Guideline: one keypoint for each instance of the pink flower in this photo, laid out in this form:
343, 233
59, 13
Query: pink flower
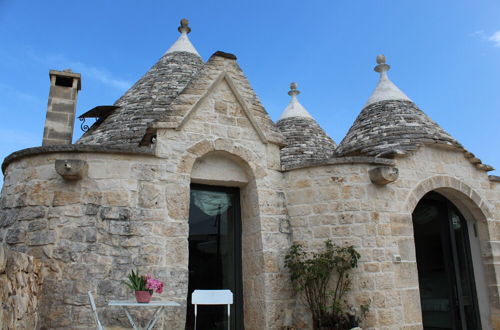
154, 284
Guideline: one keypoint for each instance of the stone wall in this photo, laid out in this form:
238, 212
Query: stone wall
216, 122
91, 232
340, 202
131, 211
20, 289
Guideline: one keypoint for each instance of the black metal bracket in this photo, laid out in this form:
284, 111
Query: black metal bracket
83, 126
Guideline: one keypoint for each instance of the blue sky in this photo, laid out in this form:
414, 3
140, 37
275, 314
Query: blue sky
445, 55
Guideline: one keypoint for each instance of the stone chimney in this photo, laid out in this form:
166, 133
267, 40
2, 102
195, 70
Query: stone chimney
59, 123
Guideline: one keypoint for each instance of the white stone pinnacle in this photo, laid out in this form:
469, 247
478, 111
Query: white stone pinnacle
385, 90
183, 44
294, 108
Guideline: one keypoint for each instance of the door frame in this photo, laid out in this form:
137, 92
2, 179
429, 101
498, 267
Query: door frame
238, 273
451, 265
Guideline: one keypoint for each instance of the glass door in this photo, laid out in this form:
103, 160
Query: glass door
215, 253
446, 277
466, 290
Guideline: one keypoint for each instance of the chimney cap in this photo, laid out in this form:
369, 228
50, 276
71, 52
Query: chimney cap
67, 73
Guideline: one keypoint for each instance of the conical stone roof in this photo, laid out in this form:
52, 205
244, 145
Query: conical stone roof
306, 142
148, 98
391, 124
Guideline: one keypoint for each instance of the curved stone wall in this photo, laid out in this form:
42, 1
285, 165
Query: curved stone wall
91, 232
340, 202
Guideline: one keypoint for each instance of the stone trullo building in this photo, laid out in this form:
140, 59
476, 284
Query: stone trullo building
187, 177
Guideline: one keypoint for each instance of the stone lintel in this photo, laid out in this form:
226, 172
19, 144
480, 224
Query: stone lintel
65, 74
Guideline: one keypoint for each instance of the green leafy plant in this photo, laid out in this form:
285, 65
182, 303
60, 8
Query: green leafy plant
135, 281
322, 279
138, 282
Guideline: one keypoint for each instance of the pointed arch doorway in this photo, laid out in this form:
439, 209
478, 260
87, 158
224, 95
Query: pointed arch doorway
445, 268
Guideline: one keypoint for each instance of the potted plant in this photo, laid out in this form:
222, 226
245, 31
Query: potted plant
322, 279
143, 286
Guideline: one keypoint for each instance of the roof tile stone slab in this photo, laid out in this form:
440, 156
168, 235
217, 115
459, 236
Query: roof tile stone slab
306, 142
391, 125
145, 101
215, 66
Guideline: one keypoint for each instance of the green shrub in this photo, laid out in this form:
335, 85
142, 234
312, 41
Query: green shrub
322, 279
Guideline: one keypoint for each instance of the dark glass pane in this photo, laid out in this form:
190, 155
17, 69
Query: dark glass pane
445, 270
434, 276
213, 252
459, 226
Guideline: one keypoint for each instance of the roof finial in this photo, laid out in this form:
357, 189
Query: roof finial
385, 90
184, 28
294, 108
293, 89
381, 67
183, 44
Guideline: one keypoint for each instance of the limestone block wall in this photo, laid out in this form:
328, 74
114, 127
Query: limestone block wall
131, 211
263, 214
334, 202
218, 123
91, 232
20, 289
339, 202
451, 174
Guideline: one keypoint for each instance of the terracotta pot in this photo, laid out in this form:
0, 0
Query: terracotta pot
143, 296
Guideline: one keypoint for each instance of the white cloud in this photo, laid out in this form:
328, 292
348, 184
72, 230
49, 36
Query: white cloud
495, 38
481, 35
89, 71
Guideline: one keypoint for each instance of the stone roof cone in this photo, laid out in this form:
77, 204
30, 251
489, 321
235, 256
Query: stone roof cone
149, 97
390, 124
306, 142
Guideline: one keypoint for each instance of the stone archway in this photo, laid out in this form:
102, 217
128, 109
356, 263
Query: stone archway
200, 162
461, 194
476, 212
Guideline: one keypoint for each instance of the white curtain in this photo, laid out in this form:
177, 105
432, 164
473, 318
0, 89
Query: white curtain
211, 202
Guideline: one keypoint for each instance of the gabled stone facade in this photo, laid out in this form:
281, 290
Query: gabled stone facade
188, 122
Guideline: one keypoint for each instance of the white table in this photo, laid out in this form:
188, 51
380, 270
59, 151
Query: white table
160, 306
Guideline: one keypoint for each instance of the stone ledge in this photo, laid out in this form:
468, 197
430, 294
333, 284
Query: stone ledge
73, 148
494, 178
224, 54
344, 160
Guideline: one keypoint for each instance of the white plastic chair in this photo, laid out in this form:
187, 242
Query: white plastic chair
212, 297
94, 312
